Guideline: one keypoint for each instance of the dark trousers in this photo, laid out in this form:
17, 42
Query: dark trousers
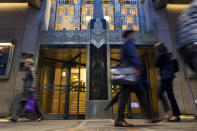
166, 86
115, 100
189, 54
21, 106
123, 99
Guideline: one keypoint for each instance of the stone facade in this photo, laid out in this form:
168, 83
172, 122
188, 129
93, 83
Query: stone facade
31, 27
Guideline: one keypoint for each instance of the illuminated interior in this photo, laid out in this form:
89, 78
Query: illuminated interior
65, 17
54, 78
86, 13
67, 13
129, 15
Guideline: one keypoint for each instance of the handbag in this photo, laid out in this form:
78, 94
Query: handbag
30, 104
123, 76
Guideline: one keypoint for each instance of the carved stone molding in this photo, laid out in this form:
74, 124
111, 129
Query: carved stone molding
98, 44
83, 33
86, 36
4, 38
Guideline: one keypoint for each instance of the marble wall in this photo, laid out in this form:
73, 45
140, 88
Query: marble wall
22, 24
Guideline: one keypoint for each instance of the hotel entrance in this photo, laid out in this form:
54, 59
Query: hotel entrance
62, 80
147, 56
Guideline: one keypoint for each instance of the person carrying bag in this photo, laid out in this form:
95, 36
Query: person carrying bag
28, 101
130, 58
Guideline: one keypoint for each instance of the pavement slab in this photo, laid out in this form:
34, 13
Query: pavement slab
95, 125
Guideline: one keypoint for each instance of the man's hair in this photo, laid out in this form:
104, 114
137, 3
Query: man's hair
161, 48
127, 32
30, 61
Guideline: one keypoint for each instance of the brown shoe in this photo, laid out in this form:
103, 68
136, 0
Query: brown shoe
157, 119
123, 124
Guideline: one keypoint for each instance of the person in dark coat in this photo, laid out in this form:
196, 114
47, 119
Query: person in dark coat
186, 38
129, 57
29, 89
165, 64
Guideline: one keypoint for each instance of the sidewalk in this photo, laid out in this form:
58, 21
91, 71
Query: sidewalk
96, 125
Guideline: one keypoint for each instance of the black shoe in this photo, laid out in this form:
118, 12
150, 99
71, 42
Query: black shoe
12, 119
178, 119
39, 119
123, 124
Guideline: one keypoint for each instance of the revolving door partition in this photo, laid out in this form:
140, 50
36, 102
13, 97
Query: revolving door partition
63, 83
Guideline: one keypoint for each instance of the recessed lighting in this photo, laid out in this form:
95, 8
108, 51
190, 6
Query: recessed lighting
5, 44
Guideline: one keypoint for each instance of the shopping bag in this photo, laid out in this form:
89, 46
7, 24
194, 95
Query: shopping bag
30, 105
122, 75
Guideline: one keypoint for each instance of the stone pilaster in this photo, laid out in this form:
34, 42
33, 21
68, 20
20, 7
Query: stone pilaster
77, 14
117, 15
52, 17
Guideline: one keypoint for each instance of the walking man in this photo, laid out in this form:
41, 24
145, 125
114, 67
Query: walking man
129, 57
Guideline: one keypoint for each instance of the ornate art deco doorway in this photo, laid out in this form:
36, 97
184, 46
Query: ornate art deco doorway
62, 78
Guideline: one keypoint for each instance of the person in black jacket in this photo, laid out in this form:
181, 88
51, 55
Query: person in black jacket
29, 89
165, 65
186, 38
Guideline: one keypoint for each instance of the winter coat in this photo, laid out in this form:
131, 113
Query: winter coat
129, 55
187, 26
29, 82
165, 64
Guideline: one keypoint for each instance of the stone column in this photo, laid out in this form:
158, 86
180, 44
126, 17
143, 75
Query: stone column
52, 17
141, 17
118, 24
98, 87
77, 14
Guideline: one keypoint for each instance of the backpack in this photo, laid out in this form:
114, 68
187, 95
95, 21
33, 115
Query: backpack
175, 65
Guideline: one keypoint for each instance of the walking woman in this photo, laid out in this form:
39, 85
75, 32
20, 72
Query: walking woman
165, 64
29, 89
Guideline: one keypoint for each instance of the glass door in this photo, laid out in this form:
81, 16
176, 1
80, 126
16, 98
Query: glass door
63, 83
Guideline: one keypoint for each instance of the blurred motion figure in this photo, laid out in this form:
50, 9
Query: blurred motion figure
187, 36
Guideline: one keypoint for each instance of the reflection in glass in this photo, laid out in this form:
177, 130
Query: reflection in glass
65, 15
6, 54
86, 13
129, 13
108, 12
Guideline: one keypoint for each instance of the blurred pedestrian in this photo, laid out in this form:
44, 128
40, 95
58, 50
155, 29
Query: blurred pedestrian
129, 57
115, 100
29, 90
187, 36
165, 64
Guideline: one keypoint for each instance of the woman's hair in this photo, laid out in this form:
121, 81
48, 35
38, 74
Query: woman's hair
30, 61
161, 48
126, 33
